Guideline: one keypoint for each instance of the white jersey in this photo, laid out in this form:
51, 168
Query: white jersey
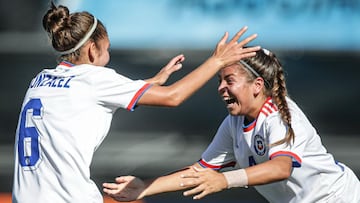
65, 116
316, 176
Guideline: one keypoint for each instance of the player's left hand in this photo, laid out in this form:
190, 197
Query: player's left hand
204, 182
163, 75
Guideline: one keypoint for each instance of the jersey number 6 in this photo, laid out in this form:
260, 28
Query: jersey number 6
28, 143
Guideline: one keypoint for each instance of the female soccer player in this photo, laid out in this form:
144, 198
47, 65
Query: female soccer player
277, 149
67, 110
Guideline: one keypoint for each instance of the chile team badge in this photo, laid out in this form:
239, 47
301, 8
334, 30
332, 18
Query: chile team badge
259, 145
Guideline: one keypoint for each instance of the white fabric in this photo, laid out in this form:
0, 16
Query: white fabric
77, 105
315, 174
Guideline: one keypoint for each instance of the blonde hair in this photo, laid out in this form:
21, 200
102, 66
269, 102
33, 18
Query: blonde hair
266, 64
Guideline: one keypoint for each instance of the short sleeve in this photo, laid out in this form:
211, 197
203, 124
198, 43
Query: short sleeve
220, 152
115, 90
276, 130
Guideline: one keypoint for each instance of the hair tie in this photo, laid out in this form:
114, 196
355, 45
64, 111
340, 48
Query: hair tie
83, 40
267, 52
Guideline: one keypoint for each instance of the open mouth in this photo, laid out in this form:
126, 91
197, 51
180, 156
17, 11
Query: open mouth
229, 100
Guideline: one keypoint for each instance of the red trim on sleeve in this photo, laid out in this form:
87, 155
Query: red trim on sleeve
216, 167
137, 96
286, 153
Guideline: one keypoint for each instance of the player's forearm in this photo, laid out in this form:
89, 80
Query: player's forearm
271, 171
188, 85
164, 184
160, 185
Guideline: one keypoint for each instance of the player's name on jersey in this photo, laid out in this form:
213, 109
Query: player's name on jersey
46, 80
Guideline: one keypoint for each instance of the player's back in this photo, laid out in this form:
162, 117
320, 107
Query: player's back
59, 128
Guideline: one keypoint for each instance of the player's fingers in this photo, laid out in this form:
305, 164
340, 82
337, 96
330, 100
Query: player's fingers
193, 191
223, 39
110, 192
197, 169
174, 64
189, 175
191, 182
201, 195
177, 59
124, 179
238, 34
248, 52
252, 49
111, 186
247, 40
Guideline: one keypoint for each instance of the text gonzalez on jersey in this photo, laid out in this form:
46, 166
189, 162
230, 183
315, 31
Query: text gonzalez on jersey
51, 81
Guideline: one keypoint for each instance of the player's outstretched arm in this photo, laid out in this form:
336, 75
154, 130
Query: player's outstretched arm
130, 188
163, 75
226, 53
207, 181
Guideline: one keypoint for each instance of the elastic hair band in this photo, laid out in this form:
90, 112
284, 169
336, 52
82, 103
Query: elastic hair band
254, 72
83, 40
250, 68
267, 52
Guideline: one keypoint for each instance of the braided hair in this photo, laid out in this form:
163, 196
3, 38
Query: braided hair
267, 65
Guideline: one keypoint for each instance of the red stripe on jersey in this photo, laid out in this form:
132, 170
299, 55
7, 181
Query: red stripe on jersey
216, 167
264, 112
286, 153
137, 96
249, 127
268, 107
67, 64
272, 105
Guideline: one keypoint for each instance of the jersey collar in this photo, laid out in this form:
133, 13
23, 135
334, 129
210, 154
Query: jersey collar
267, 108
66, 63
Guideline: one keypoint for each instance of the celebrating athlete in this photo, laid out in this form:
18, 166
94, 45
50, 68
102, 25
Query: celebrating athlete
277, 149
67, 111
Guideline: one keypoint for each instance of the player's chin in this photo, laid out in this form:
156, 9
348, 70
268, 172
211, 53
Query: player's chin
234, 110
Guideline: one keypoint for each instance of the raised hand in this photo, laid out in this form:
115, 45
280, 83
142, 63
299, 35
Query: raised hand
228, 53
125, 188
203, 181
163, 75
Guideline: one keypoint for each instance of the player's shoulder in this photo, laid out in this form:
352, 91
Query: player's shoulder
95, 69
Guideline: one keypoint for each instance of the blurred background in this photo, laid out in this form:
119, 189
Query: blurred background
318, 43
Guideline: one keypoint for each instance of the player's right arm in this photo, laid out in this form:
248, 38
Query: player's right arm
225, 54
130, 188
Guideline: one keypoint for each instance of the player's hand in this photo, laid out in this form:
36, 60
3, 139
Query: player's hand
203, 181
125, 189
163, 75
228, 53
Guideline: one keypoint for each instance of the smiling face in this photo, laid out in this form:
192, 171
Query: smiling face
241, 94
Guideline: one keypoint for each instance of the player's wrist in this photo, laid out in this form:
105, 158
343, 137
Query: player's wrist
215, 62
236, 178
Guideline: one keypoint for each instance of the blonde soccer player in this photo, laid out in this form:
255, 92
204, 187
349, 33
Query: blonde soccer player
268, 136
67, 110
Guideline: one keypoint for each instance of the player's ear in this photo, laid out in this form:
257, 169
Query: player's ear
258, 85
92, 52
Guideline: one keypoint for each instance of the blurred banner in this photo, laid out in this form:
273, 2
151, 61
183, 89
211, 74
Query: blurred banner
281, 24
